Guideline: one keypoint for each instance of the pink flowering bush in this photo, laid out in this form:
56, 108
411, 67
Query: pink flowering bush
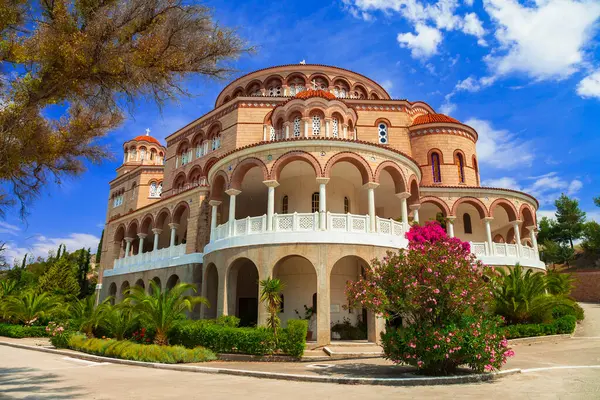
441, 291
59, 335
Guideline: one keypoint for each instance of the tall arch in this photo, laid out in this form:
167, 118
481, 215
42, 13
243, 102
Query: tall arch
297, 155
510, 209
243, 167
394, 170
360, 163
475, 202
242, 291
438, 202
218, 186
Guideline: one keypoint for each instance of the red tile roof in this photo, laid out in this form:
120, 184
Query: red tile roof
146, 138
431, 118
315, 93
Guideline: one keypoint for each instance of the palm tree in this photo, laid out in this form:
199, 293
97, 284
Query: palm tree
7, 287
520, 296
86, 316
160, 309
270, 294
118, 319
29, 306
558, 283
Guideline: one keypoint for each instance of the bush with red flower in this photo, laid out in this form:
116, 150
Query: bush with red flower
441, 291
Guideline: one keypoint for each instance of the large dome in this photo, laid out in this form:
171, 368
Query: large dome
147, 138
315, 93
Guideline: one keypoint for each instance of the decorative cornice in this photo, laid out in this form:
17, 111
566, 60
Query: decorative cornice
442, 130
481, 188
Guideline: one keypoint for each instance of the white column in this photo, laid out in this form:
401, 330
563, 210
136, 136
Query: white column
532, 229
213, 218
415, 210
142, 236
271, 185
128, 241
488, 233
345, 132
327, 128
157, 232
173, 227
371, 186
404, 207
516, 225
287, 131
306, 128
450, 226
232, 195
322, 202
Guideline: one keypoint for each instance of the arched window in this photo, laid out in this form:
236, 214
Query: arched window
467, 223
272, 134
142, 154
297, 127
335, 127
460, 164
153, 188
216, 142
132, 154
284, 205
383, 133
316, 125
435, 167
315, 202
205, 147
275, 91
346, 205
476, 170
159, 190
199, 150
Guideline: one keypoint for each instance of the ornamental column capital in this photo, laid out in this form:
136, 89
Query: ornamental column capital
271, 183
323, 181
371, 185
403, 195
233, 192
173, 225
157, 231
142, 235
215, 203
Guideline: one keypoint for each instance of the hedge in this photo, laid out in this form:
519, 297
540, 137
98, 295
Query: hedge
127, 350
563, 325
254, 341
21, 331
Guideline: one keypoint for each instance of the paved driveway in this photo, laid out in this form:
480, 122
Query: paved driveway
566, 369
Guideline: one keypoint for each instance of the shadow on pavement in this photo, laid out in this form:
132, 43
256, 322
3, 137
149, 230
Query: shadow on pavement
363, 370
29, 383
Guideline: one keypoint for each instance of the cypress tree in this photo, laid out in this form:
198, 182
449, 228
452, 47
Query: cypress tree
59, 279
99, 250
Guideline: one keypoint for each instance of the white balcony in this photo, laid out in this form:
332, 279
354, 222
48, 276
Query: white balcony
348, 229
306, 228
507, 254
167, 257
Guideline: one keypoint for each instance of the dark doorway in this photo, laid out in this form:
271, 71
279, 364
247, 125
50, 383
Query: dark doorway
248, 311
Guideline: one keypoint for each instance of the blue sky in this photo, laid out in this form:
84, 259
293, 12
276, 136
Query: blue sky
525, 75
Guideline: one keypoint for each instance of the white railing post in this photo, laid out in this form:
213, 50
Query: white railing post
271, 185
348, 222
295, 221
316, 221
322, 201
371, 186
488, 233
232, 195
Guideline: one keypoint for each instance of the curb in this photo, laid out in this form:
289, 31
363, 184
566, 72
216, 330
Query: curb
413, 381
539, 339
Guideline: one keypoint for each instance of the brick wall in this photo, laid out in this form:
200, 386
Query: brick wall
587, 286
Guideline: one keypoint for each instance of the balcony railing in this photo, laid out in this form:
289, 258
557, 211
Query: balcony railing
308, 222
167, 257
482, 249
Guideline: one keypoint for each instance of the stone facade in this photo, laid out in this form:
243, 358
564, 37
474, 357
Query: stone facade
306, 173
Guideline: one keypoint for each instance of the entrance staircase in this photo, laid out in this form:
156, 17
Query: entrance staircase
342, 350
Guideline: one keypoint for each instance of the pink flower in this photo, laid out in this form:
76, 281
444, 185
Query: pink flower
436, 291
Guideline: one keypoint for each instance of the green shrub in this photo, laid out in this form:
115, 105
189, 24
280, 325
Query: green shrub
223, 339
126, 350
563, 325
59, 335
228, 320
575, 310
20, 331
292, 339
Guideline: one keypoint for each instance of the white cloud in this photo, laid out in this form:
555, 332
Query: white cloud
545, 40
500, 148
546, 188
590, 85
429, 20
469, 2
422, 45
545, 213
505, 182
43, 245
9, 229
447, 108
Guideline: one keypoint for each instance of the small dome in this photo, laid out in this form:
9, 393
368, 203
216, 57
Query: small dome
315, 93
147, 138
432, 118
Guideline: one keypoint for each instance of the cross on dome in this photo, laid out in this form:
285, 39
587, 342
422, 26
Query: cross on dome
314, 83
147, 131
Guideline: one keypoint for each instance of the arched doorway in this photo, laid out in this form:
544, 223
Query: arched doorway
112, 292
346, 185
299, 293
156, 280
140, 283
242, 289
172, 281
180, 217
211, 279
123, 291
346, 323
